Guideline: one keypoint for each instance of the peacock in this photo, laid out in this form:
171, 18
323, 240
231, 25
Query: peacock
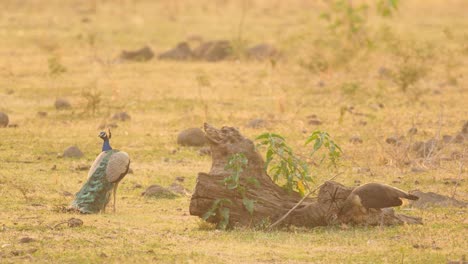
109, 168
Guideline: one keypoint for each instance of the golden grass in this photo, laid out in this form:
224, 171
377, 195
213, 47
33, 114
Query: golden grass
164, 97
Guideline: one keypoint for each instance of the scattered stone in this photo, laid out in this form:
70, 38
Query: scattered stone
42, 114
256, 123
213, 50
416, 182
412, 131
205, 151
361, 170
157, 191
465, 128
459, 138
321, 84
396, 181
192, 137
62, 104
121, 116
418, 170
392, 140
262, 51
362, 123
81, 167
137, 186
130, 171
54, 167
180, 178
4, 120
140, 55
449, 181
72, 152
181, 52
384, 72
13, 125
103, 255
315, 122
67, 194
355, 140
424, 149
430, 199
177, 188
312, 116
357, 182
447, 139
25, 240
74, 222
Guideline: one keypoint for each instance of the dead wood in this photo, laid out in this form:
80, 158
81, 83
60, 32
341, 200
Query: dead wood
271, 201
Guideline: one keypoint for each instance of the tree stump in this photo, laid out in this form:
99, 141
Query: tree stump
271, 201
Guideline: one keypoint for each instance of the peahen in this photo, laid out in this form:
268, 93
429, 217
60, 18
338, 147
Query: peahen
109, 168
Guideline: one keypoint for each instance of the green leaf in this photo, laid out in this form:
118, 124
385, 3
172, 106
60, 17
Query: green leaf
248, 204
224, 213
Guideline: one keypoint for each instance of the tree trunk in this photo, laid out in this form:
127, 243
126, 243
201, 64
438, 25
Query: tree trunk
271, 201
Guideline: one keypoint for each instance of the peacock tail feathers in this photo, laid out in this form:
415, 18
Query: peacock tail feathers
95, 193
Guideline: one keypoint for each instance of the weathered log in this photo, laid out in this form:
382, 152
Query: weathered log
271, 201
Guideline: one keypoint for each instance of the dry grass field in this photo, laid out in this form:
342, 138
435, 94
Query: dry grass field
354, 89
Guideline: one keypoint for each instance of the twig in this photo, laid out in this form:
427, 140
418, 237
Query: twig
300, 202
460, 171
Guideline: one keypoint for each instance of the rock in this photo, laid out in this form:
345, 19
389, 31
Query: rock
72, 152
179, 189
459, 138
67, 194
180, 178
42, 114
256, 123
447, 139
355, 140
13, 125
465, 128
315, 122
452, 181
431, 199
130, 171
181, 52
205, 151
262, 51
121, 116
361, 170
137, 186
424, 149
24, 240
412, 131
384, 72
213, 50
62, 104
74, 222
81, 167
192, 137
418, 170
157, 191
392, 140
4, 120
141, 55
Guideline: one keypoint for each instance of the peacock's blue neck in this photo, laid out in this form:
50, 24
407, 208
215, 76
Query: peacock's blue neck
106, 145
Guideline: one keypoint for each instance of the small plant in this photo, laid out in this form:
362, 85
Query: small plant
93, 99
55, 67
286, 166
236, 165
218, 208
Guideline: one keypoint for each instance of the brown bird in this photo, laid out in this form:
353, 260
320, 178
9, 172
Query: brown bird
373, 196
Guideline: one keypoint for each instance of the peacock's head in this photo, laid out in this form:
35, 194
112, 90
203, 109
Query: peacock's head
105, 136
